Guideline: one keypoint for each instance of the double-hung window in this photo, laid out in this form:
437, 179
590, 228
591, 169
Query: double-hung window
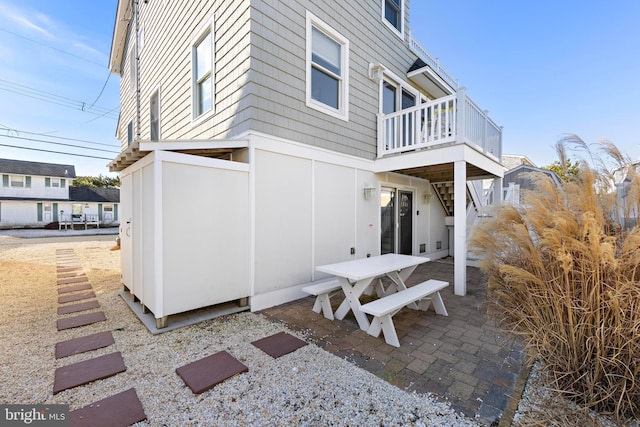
203, 84
392, 15
327, 69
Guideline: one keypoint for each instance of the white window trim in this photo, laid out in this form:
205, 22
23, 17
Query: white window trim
401, 84
399, 33
156, 91
201, 33
343, 101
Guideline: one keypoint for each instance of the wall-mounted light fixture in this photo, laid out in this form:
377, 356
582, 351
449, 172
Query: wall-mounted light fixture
368, 191
86, 205
426, 195
375, 72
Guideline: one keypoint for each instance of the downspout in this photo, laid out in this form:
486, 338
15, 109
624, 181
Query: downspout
137, 68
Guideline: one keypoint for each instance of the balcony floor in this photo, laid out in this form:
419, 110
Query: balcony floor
463, 358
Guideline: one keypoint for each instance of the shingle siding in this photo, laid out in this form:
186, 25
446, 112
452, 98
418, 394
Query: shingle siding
260, 74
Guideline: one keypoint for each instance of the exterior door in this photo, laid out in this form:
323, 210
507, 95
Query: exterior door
405, 222
396, 221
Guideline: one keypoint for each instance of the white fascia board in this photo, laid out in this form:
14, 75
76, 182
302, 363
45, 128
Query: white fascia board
192, 144
188, 159
120, 30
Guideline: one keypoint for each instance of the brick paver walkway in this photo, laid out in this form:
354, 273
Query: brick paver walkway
462, 358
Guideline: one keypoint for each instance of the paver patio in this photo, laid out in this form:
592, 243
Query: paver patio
462, 358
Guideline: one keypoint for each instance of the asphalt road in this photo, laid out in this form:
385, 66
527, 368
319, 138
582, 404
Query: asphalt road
34, 236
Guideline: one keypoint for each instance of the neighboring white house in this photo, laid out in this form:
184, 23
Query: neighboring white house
261, 139
34, 195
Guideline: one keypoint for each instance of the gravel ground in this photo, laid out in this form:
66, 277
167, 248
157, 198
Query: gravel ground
307, 387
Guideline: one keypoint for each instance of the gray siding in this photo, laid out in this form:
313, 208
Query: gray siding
260, 74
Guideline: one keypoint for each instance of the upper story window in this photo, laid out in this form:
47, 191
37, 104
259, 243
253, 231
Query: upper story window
154, 116
327, 69
129, 133
16, 181
202, 63
55, 182
393, 15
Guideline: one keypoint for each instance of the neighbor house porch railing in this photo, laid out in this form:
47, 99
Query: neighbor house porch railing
453, 119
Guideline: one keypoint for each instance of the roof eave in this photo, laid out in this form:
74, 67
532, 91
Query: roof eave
120, 29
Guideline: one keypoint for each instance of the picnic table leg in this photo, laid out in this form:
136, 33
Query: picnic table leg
398, 278
352, 301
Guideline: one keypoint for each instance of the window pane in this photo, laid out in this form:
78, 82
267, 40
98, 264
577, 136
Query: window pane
154, 115
325, 88
203, 57
204, 95
325, 51
388, 98
392, 12
408, 100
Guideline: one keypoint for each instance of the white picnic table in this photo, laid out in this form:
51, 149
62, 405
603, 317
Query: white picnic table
357, 275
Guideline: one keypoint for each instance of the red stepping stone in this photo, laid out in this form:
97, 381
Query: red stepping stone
70, 274
83, 344
206, 373
75, 297
81, 320
279, 344
67, 289
80, 373
122, 409
74, 308
71, 280
64, 268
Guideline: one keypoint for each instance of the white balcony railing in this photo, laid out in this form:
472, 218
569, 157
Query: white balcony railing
432, 62
453, 119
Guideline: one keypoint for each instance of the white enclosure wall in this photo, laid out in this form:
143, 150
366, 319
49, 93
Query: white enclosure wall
185, 242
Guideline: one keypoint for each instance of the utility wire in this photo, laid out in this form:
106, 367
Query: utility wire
59, 143
51, 47
19, 131
56, 152
101, 90
51, 97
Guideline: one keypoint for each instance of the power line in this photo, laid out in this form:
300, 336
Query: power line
56, 152
63, 101
58, 143
51, 47
19, 131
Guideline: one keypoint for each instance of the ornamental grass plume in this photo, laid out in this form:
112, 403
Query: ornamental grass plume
563, 273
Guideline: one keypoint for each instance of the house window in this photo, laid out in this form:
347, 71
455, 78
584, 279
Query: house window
54, 182
154, 116
17, 181
130, 133
202, 57
393, 15
327, 69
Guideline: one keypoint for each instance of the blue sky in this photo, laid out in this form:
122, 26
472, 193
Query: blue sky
543, 69
53, 58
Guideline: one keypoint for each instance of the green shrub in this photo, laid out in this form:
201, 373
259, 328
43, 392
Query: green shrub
563, 274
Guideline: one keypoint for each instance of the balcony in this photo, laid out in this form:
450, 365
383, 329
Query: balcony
453, 119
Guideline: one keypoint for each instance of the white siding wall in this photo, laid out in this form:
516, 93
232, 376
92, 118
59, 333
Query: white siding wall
38, 190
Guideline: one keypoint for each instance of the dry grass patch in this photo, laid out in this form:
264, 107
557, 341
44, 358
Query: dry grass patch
564, 276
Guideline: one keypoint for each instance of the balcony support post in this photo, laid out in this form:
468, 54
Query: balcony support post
460, 227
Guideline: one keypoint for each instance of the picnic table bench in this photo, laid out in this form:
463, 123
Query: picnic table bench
385, 308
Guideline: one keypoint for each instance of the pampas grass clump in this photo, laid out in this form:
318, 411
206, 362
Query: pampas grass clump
564, 275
